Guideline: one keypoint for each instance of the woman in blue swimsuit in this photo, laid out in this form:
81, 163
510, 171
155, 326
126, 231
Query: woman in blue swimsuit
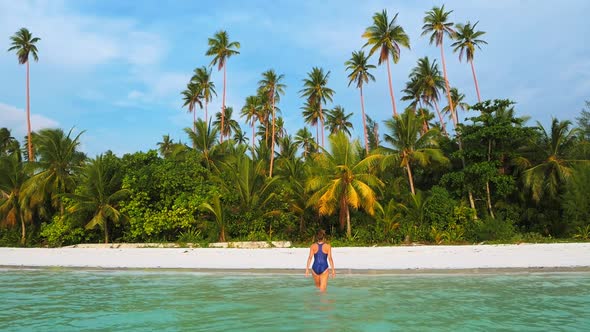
322, 254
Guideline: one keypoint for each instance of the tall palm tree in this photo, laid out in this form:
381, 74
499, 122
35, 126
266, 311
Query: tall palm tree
271, 85
192, 97
23, 43
202, 78
338, 121
387, 37
165, 147
315, 88
240, 137
230, 126
553, 167
467, 40
13, 176
343, 180
409, 145
436, 23
59, 161
222, 49
312, 115
458, 101
251, 110
359, 74
427, 77
98, 195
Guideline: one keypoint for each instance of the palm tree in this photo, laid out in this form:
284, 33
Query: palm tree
251, 111
271, 85
165, 147
240, 137
192, 97
554, 167
387, 37
59, 161
8, 144
98, 195
409, 145
202, 78
436, 24
343, 180
23, 43
304, 139
467, 40
13, 176
214, 206
317, 92
359, 74
337, 121
222, 49
203, 139
230, 126
312, 115
426, 76
458, 102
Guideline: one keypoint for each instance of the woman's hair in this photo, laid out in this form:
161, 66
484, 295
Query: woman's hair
321, 235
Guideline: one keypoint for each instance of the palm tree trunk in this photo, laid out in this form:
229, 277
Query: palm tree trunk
451, 108
488, 194
253, 135
475, 80
441, 119
364, 121
348, 228
272, 139
222, 234
29, 138
410, 178
23, 230
206, 115
194, 127
322, 122
317, 133
106, 232
424, 121
223, 106
391, 88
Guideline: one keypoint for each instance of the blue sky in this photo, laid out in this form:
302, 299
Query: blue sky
116, 68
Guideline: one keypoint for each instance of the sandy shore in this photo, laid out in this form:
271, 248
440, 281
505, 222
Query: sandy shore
524, 256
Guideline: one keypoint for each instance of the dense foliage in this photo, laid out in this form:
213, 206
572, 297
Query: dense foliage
492, 177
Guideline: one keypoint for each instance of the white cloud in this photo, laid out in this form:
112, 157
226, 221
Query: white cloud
15, 119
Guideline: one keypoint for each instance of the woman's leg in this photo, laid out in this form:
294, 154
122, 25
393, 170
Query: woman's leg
316, 279
324, 280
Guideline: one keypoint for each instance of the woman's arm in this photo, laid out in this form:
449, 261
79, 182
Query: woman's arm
331, 262
308, 261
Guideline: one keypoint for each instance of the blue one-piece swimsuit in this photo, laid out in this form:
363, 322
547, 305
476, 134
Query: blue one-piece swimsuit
320, 261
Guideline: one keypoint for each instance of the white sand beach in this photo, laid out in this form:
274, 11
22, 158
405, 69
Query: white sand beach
523, 256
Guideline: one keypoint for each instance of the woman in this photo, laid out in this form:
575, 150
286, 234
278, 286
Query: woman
322, 254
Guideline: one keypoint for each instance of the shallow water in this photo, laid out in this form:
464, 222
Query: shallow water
74, 300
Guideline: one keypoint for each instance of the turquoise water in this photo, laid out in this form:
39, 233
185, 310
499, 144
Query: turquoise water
75, 300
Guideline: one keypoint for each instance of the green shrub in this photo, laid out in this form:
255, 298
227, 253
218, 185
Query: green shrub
59, 233
490, 229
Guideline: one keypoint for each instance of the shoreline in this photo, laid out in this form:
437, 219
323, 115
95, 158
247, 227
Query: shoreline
555, 257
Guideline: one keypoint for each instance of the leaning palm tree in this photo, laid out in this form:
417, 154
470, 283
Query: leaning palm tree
458, 102
343, 180
467, 41
202, 78
359, 74
23, 43
315, 88
222, 49
338, 121
386, 37
437, 25
409, 145
271, 85
98, 195
192, 97
251, 110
